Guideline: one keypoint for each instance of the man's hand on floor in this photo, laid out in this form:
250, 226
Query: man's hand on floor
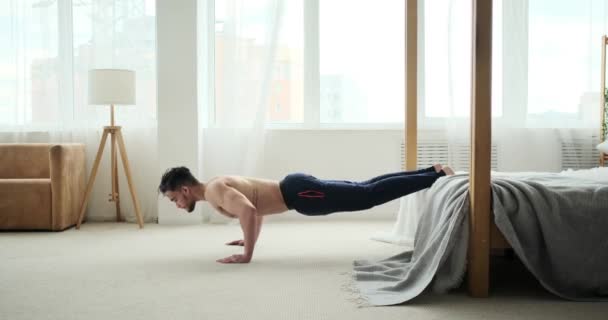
236, 243
235, 258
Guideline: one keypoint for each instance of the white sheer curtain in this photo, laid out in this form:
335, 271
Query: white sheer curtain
47, 49
246, 40
546, 88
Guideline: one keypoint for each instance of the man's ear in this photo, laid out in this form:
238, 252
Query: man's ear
185, 190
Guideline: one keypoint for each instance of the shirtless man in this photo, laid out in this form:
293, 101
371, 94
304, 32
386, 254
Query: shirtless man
250, 199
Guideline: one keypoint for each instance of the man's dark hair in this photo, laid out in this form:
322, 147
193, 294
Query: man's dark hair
175, 178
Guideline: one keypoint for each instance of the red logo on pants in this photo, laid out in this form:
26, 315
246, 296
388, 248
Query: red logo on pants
311, 194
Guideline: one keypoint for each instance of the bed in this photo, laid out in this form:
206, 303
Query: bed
483, 233
555, 223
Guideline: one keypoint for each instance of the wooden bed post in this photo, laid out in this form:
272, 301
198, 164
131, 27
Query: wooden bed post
481, 130
411, 85
602, 96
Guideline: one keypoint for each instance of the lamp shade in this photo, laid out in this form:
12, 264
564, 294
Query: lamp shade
111, 86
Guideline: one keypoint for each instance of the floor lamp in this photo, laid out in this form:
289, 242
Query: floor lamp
112, 87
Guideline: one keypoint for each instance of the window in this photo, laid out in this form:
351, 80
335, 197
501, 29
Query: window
29, 63
362, 47
49, 46
243, 32
564, 60
447, 59
116, 34
328, 68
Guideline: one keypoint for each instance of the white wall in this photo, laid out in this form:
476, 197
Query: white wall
177, 96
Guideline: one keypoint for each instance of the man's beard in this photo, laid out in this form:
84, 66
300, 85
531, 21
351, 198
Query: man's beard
191, 207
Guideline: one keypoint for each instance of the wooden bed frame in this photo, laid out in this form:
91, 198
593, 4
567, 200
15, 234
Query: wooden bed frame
484, 235
603, 156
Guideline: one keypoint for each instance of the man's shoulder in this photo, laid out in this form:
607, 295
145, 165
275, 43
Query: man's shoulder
216, 183
215, 189
221, 184
220, 181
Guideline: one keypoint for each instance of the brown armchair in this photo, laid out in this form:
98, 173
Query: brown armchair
41, 185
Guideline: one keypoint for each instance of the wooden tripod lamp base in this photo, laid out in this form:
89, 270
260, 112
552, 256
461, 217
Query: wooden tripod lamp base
116, 141
109, 87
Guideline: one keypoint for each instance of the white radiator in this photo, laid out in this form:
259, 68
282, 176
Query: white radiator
579, 152
455, 154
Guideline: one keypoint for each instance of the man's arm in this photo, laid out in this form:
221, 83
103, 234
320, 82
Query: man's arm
237, 204
258, 228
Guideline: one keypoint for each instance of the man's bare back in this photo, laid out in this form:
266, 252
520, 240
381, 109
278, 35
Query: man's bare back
264, 195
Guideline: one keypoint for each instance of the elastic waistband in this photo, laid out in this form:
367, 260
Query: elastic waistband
285, 193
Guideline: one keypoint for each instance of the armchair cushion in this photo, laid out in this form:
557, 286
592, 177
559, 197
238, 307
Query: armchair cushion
25, 204
24, 161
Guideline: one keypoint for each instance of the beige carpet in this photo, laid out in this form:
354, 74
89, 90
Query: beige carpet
115, 271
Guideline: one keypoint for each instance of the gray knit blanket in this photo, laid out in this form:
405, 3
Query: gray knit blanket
557, 226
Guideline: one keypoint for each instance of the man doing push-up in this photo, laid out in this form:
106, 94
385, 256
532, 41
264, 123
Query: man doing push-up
250, 199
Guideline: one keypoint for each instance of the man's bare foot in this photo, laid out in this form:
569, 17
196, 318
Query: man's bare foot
448, 171
437, 167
